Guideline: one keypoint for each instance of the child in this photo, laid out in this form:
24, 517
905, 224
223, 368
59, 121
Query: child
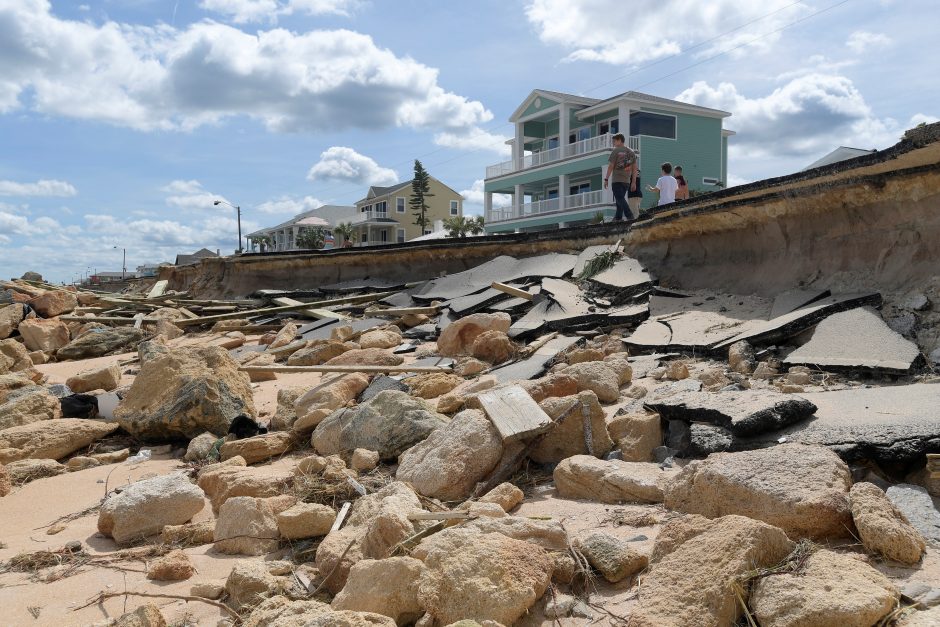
666, 186
683, 192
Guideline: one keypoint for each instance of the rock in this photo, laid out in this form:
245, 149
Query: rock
930, 618
26, 470
598, 377
916, 301
677, 370
636, 435
741, 357
200, 447
44, 335
189, 534
174, 566
10, 318
364, 460
144, 507
184, 392
113, 457
913, 501
458, 337
207, 590
14, 358
830, 590
221, 482
620, 363
469, 366
676, 531
557, 384
382, 383
106, 378
614, 481
480, 577
765, 371
286, 335
568, 436
379, 338
81, 463
100, 342
746, 413
258, 448
801, 489
433, 384
305, 520
693, 585
581, 355
249, 583
457, 398
51, 439
799, 378
493, 347
167, 329
54, 303
248, 526
6, 483
882, 527
32, 276
920, 595
904, 324
611, 557
548, 534
22, 402
367, 357
317, 354
144, 616
390, 423
453, 458
259, 359
285, 416
388, 587
506, 495
279, 611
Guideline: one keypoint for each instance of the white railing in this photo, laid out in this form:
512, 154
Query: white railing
368, 216
535, 159
595, 198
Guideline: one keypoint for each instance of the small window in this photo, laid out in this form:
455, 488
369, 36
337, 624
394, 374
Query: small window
580, 134
653, 125
401, 236
552, 142
454, 206
400, 205
427, 231
381, 207
551, 193
608, 126
366, 208
365, 237
580, 188
709, 180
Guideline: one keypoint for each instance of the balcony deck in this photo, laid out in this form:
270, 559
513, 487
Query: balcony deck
574, 202
584, 147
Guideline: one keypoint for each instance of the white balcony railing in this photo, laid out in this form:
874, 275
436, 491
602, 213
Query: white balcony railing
368, 216
596, 198
535, 159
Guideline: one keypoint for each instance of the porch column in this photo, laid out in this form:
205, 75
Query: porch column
294, 232
518, 199
623, 116
607, 195
487, 206
562, 190
518, 145
563, 131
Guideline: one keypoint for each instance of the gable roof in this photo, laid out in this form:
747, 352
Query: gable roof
554, 95
202, 253
376, 191
668, 103
842, 153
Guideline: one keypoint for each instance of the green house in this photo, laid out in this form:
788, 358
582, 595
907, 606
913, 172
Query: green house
560, 150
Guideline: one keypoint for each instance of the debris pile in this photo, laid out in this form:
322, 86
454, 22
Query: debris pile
530, 440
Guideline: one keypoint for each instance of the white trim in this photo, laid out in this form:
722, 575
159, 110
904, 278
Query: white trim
404, 204
608, 122
640, 103
668, 115
569, 98
454, 207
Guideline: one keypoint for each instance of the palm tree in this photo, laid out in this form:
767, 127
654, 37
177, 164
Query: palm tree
310, 238
344, 230
461, 226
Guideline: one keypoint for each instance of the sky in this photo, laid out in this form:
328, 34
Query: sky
121, 121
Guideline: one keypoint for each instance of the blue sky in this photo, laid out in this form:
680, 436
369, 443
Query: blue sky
121, 120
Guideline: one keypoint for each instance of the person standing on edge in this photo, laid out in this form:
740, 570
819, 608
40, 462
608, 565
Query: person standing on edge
666, 186
683, 191
621, 174
635, 194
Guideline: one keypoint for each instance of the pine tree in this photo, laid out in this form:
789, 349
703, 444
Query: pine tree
420, 192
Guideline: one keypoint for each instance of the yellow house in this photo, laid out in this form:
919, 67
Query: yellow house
384, 216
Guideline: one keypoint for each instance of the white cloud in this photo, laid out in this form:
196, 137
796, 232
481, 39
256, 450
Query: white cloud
42, 187
922, 118
190, 195
161, 77
242, 11
862, 41
807, 116
288, 205
20, 225
474, 139
339, 163
651, 29
473, 199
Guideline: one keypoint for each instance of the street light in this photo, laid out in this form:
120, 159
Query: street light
123, 262
238, 210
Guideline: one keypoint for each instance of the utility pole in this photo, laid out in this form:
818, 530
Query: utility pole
238, 212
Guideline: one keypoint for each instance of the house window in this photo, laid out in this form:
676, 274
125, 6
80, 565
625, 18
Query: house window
384, 235
453, 207
400, 205
381, 207
365, 237
579, 134
401, 236
553, 142
551, 193
608, 126
653, 124
579, 188
366, 208
710, 180
427, 231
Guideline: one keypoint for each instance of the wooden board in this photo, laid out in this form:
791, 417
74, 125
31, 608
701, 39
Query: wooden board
325, 368
312, 312
282, 308
514, 291
514, 414
158, 288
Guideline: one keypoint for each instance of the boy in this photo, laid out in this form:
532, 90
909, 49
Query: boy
622, 174
682, 193
666, 186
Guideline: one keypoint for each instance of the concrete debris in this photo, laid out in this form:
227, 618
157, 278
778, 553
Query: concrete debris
611, 557
918, 508
613, 481
143, 508
882, 527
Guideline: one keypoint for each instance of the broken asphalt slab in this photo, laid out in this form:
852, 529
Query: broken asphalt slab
623, 280
854, 339
535, 365
503, 269
791, 300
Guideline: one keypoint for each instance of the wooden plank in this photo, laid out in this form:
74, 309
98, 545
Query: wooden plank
340, 517
158, 288
404, 311
325, 368
515, 291
514, 414
313, 312
440, 516
287, 349
280, 309
107, 319
187, 313
138, 320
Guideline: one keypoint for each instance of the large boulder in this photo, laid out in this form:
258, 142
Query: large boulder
313, 406
457, 338
54, 303
23, 402
483, 577
258, 448
184, 392
44, 335
286, 335
917, 506
611, 481
305, 520
15, 358
569, 435
248, 526
493, 347
829, 590
597, 376
801, 489
693, 586
223, 481
51, 439
433, 384
612, 557
380, 338
453, 458
10, 318
636, 435
100, 342
882, 527
102, 378
26, 470
390, 423
249, 583
143, 508
388, 587
367, 357
317, 353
